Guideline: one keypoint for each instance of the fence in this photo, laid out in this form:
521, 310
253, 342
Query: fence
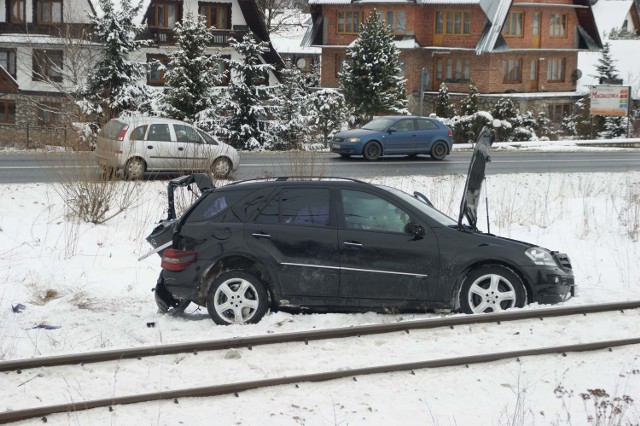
38, 137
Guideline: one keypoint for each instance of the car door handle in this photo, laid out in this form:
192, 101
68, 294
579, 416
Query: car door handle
149, 146
261, 235
353, 244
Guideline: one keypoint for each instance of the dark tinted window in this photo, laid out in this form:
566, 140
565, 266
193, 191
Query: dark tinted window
425, 124
215, 204
159, 132
112, 129
138, 133
298, 207
366, 211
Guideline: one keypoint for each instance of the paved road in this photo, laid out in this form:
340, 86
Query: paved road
41, 167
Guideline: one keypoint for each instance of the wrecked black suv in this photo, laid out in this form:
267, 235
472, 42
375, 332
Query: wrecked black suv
336, 244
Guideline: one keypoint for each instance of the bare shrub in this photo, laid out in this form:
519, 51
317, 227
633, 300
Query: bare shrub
629, 213
304, 163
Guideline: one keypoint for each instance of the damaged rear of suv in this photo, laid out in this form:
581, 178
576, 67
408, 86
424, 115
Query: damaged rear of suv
337, 244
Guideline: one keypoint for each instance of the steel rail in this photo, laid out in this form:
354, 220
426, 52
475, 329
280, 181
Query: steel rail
306, 336
229, 388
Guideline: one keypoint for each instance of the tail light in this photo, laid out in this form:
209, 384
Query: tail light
123, 132
177, 260
450, 132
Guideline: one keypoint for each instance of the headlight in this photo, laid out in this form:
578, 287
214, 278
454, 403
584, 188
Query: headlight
540, 256
352, 140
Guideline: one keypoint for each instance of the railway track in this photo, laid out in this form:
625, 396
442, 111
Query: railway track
17, 366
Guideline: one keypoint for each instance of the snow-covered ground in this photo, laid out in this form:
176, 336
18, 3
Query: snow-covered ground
85, 282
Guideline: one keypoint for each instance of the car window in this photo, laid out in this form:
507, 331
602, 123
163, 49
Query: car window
403, 125
208, 139
138, 133
309, 207
424, 124
215, 204
159, 132
366, 211
432, 212
378, 124
186, 133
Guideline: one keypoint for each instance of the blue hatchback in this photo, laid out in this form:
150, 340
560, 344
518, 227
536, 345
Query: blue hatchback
395, 135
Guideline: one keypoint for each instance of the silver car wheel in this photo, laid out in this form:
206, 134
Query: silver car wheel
221, 167
491, 293
134, 169
236, 301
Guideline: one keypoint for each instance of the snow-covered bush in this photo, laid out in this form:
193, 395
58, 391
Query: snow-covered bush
327, 112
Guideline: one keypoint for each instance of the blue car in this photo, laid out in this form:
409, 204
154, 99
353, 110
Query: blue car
395, 135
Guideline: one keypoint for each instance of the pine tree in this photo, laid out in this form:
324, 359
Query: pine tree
192, 73
444, 107
608, 126
292, 119
579, 123
469, 105
117, 84
327, 112
544, 127
505, 111
249, 102
371, 81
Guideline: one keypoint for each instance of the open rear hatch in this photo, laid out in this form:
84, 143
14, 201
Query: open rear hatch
475, 178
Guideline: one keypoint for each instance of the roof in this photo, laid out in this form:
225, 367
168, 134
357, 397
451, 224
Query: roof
292, 36
611, 14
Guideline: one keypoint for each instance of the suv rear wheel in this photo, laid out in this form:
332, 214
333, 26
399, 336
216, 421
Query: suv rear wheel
237, 297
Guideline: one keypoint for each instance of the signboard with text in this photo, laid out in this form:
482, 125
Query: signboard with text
610, 100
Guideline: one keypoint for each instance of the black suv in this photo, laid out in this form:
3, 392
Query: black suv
343, 245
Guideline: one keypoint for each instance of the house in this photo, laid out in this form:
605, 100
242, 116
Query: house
524, 49
290, 41
46, 50
617, 15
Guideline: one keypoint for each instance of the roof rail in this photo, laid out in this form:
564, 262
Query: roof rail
296, 178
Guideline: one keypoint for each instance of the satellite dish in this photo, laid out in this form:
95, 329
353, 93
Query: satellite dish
301, 63
576, 74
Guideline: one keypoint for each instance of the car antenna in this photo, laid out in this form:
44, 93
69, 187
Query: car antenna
486, 203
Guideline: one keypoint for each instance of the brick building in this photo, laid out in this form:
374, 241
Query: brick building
524, 49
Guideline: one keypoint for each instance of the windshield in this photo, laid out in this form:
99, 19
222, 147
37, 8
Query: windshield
433, 213
378, 124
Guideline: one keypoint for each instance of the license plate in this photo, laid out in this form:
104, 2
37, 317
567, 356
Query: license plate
336, 146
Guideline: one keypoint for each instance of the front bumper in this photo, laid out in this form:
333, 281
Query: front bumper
346, 149
548, 284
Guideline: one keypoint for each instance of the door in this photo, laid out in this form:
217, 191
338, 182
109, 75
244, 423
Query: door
378, 259
535, 31
439, 71
428, 133
296, 234
196, 153
402, 137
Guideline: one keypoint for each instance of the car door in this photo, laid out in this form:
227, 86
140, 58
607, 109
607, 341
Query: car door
196, 153
427, 133
401, 138
162, 151
378, 259
296, 234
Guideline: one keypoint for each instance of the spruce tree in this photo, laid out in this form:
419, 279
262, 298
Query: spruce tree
579, 124
469, 105
327, 112
606, 68
192, 73
116, 83
505, 111
371, 80
292, 119
608, 127
250, 98
444, 107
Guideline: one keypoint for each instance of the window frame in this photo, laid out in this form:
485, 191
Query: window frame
353, 17
448, 22
510, 67
558, 25
395, 19
43, 65
48, 114
6, 105
48, 5
12, 63
157, 60
453, 70
512, 22
21, 8
225, 8
556, 70
556, 112
153, 20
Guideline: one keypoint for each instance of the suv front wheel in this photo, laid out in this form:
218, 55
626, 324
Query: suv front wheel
237, 297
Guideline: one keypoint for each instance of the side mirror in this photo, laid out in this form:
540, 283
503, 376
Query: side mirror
391, 130
414, 229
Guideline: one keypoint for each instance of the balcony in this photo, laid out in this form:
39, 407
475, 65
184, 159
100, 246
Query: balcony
166, 36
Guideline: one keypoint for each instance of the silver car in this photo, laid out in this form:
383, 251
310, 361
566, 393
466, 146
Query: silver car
137, 145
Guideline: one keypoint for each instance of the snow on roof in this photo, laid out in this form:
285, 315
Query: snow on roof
610, 14
289, 37
405, 43
624, 53
39, 39
118, 5
329, 1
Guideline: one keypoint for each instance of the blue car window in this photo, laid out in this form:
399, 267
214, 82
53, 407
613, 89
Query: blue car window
426, 124
404, 125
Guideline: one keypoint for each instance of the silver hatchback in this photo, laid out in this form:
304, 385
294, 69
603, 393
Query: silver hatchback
137, 145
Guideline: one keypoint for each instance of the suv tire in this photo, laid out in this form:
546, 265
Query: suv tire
237, 297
